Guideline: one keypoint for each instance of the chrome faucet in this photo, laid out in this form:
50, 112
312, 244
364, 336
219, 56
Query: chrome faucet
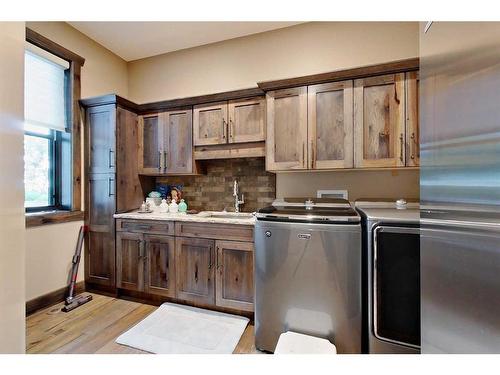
237, 201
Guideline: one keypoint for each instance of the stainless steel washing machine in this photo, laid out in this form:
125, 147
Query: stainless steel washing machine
391, 269
308, 272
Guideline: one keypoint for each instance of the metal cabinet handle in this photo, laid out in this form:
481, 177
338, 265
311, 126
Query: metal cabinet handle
230, 128
219, 265
313, 161
110, 187
224, 128
303, 154
111, 158
401, 148
412, 146
164, 161
159, 161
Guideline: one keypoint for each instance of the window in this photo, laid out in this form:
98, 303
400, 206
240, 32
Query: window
47, 139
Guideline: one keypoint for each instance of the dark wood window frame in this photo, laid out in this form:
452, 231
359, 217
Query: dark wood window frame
73, 80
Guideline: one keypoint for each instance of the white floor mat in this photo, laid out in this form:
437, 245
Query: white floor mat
178, 329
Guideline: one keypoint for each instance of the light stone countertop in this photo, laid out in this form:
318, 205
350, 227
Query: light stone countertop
242, 218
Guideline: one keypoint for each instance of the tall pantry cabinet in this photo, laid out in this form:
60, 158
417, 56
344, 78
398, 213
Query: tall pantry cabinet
110, 128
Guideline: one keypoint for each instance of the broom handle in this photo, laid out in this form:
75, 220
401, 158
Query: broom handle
76, 261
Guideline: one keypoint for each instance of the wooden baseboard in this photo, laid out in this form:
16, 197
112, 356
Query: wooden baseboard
51, 298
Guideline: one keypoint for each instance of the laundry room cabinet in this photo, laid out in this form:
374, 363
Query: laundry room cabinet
368, 122
145, 263
379, 121
227, 122
166, 143
113, 184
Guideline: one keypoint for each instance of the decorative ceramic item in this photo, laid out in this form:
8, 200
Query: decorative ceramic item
163, 206
183, 206
154, 194
176, 194
173, 207
154, 203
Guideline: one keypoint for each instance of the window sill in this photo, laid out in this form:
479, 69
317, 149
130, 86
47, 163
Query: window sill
36, 219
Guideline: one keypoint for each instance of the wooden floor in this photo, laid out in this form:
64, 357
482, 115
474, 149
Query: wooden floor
93, 328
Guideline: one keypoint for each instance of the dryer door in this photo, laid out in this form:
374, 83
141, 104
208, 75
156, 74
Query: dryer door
396, 285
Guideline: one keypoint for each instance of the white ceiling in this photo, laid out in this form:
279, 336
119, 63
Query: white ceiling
137, 40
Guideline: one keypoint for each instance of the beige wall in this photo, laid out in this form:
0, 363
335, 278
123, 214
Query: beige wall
294, 51
359, 184
49, 251
12, 250
103, 71
50, 248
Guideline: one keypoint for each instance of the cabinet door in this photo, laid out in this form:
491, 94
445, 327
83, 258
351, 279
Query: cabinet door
100, 247
286, 145
379, 124
129, 194
412, 120
100, 258
247, 120
130, 261
101, 138
150, 148
194, 266
330, 125
160, 261
210, 124
178, 140
234, 278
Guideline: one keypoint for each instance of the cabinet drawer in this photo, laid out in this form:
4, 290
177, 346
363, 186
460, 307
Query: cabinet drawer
216, 231
145, 226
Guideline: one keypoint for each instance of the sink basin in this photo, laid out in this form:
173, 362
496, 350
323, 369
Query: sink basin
227, 215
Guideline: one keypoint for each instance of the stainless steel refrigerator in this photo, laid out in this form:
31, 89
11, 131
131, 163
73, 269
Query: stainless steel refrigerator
460, 187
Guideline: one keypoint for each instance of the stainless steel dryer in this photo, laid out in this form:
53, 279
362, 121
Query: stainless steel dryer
391, 268
308, 272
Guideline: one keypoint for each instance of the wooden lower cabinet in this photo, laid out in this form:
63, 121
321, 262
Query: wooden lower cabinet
194, 263
160, 265
234, 278
204, 271
130, 261
100, 259
145, 263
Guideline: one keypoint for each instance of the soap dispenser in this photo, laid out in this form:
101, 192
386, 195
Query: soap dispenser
163, 206
183, 206
173, 207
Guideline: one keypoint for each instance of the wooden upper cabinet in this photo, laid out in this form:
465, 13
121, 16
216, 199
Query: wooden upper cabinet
178, 141
129, 194
286, 146
379, 122
101, 139
194, 265
234, 278
412, 120
159, 265
247, 120
210, 124
330, 125
130, 261
150, 150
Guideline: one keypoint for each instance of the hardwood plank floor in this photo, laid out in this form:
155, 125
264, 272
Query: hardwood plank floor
93, 328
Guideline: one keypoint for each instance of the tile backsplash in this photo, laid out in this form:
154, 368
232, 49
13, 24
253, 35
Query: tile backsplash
213, 191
